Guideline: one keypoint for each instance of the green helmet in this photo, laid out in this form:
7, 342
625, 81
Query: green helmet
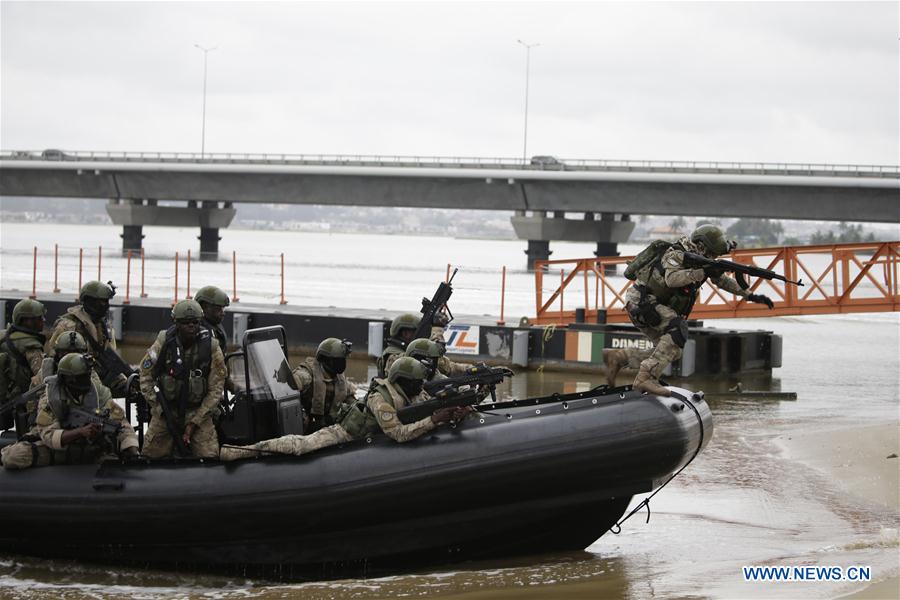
212, 295
70, 341
73, 365
97, 289
404, 321
334, 348
27, 309
187, 309
423, 348
711, 239
407, 368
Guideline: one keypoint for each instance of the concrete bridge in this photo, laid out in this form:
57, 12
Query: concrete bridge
540, 192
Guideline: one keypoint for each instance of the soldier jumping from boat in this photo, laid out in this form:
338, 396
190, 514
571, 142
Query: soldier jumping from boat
187, 366
77, 422
666, 284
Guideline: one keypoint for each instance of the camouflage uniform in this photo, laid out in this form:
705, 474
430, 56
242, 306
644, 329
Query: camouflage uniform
391, 353
98, 334
22, 366
670, 292
358, 421
322, 394
201, 400
43, 446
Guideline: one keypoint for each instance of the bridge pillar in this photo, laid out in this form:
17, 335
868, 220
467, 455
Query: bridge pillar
209, 243
132, 238
208, 216
537, 250
539, 230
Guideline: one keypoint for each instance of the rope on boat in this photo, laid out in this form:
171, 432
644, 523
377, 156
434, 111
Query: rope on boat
617, 528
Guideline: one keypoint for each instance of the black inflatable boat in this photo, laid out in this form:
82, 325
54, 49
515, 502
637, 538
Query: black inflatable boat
520, 477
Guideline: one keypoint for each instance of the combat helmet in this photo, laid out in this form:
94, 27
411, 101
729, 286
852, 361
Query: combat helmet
27, 309
332, 355
212, 295
73, 365
74, 372
187, 309
334, 348
404, 321
69, 341
97, 289
407, 367
424, 348
710, 239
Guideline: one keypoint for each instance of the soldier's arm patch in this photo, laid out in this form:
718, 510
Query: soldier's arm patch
386, 415
147, 363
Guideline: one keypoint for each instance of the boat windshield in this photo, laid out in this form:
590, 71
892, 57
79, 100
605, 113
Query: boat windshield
270, 373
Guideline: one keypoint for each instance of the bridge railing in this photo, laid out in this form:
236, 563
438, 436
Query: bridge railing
838, 278
546, 163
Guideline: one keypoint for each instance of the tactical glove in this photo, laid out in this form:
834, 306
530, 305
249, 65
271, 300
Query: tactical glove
761, 299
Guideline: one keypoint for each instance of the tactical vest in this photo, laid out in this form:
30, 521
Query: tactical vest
79, 451
17, 371
358, 420
97, 338
324, 398
390, 349
653, 278
183, 376
60, 406
217, 330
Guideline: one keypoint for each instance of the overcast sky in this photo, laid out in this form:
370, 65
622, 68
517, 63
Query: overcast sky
755, 81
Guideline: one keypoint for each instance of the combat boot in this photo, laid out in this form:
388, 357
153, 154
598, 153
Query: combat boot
614, 361
646, 382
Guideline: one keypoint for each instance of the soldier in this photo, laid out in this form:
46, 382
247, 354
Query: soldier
61, 434
431, 354
323, 385
403, 328
213, 301
378, 411
188, 367
89, 319
21, 355
661, 299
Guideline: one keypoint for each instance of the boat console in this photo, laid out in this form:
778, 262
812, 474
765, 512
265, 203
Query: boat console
265, 403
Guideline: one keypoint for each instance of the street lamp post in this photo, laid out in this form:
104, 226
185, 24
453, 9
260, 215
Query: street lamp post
206, 52
528, 48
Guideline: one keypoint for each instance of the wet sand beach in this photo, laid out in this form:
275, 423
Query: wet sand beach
865, 461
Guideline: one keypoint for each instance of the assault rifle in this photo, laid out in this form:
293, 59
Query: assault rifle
112, 366
463, 390
447, 398
697, 261
79, 417
21, 420
180, 448
431, 307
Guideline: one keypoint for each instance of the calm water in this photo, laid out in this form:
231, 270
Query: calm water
741, 502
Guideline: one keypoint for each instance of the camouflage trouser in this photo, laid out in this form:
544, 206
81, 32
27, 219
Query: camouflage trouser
158, 443
25, 455
289, 444
665, 350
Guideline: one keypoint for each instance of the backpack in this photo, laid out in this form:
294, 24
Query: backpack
648, 255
